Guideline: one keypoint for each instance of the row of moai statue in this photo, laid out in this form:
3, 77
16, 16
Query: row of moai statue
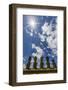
33, 64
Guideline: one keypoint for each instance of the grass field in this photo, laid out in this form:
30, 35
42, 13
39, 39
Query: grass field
40, 71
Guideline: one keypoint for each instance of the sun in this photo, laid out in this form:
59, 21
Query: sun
32, 23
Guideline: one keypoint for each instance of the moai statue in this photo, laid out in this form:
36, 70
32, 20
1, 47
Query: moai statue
41, 63
47, 62
35, 63
28, 64
54, 64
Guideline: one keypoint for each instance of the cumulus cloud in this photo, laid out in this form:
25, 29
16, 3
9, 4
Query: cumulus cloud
33, 45
42, 37
51, 64
45, 66
51, 37
24, 66
31, 34
31, 65
38, 66
46, 28
24, 59
29, 30
52, 40
39, 51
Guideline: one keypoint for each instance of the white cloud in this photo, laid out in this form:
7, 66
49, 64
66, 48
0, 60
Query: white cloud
46, 29
54, 51
51, 64
33, 45
32, 60
38, 66
39, 51
41, 43
31, 65
24, 59
51, 36
30, 32
45, 65
24, 66
35, 32
42, 37
52, 43
34, 54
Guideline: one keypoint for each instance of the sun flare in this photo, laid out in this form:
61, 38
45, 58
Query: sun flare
32, 23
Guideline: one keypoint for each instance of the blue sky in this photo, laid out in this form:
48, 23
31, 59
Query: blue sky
39, 37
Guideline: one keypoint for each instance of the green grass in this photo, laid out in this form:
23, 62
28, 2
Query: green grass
40, 71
